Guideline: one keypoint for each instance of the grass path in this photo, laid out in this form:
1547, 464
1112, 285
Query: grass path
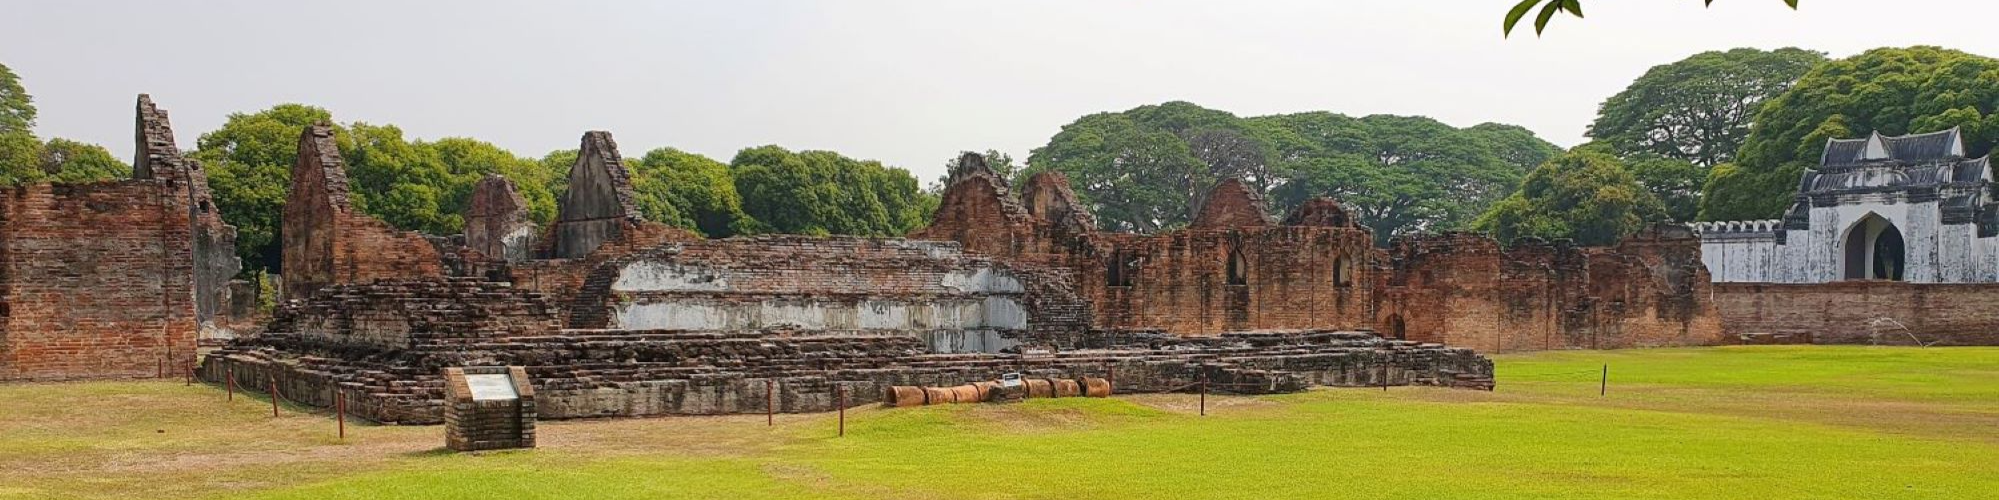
1752, 423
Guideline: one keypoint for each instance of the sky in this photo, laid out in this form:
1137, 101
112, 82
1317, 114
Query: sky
910, 83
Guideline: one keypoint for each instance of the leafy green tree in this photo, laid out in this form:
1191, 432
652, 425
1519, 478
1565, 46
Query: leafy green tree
1892, 90
249, 161
1699, 108
1585, 196
691, 191
467, 160
20, 158
1000, 163
1134, 177
1146, 169
822, 192
64, 160
17, 108
1674, 182
25, 158
1573, 7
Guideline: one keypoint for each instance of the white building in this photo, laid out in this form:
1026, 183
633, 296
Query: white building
1907, 208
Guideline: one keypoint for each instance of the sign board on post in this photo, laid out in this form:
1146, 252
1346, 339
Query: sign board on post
488, 408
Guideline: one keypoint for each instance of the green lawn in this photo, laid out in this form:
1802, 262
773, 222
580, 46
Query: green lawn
1758, 423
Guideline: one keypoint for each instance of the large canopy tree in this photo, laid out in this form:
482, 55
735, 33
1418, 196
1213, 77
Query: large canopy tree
1146, 169
1585, 196
1891, 90
1699, 108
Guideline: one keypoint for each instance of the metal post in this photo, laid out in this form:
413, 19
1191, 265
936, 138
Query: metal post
190, 376
842, 390
1204, 393
274, 397
160, 368
1603, 387
231, 381
770, 402
340, 412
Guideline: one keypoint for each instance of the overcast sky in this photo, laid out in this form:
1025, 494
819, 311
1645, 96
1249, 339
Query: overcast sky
906, 82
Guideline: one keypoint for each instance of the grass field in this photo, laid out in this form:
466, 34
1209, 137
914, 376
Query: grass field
1760, 423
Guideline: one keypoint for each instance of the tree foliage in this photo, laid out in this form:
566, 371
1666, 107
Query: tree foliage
24, 158
690, 191
17, 108
1586, 196
822, 192
1548, 11
1892, 90
1699, 108
415, 185
1145, 169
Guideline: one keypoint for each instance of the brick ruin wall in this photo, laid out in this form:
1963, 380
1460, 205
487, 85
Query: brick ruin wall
98, 281
1861, 312
1234, 269
113, 279
1468, 290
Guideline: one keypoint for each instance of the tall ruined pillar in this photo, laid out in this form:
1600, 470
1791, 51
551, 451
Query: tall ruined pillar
598, 207
212, 241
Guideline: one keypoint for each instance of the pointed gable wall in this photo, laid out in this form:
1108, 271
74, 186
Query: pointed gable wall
598, 206
1049, 198
1231, 204
978, 210
327, 241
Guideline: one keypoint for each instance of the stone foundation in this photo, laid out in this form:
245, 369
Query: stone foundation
620, 373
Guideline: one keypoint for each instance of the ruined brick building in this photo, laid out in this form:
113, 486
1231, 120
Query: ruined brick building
1234, 268
115, 278
614, 315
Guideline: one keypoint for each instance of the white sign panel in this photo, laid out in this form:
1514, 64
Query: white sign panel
491, 387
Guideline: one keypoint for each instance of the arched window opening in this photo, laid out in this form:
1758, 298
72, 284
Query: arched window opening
1238, 268
1121, 268
1875, 250
1342, 272
1396, 329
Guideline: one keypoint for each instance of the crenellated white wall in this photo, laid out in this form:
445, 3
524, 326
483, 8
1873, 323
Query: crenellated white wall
1936, 252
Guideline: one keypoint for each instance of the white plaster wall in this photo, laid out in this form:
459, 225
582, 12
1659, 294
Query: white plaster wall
655, 276
982, 280
703, 314
1936, 252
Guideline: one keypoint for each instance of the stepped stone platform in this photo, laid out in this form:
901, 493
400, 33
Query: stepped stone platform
385, 346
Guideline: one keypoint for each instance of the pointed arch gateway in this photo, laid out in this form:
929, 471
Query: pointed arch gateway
1874, 250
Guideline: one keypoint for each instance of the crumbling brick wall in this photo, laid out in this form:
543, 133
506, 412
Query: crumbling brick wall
1862, 312
327, 241
113, 279
98, 281
1233, 269
1467, 290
